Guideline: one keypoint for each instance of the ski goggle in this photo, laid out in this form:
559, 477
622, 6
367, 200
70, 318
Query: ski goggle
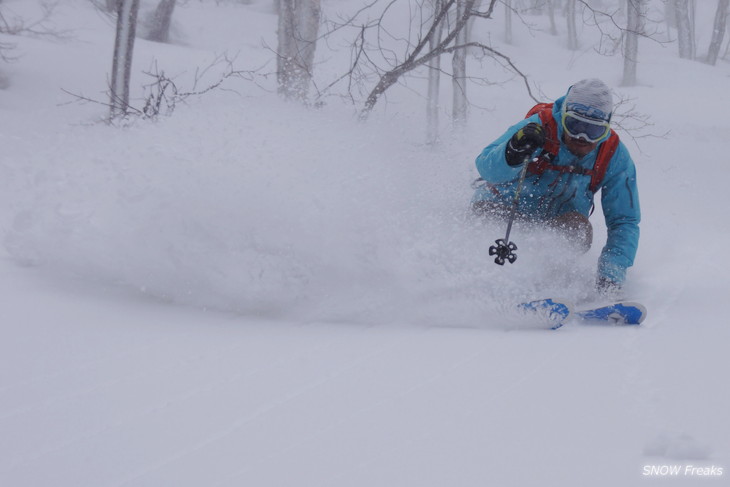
580, 127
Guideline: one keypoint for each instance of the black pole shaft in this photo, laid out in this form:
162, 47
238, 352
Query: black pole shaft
515, 200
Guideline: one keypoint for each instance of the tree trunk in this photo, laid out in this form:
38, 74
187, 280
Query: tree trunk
161, 20
458, 63
693, 26
434, 82
572, 29
685, 38
551, 15
122, 63
297, 37
718, 31
472, 20
635, 14
507, 21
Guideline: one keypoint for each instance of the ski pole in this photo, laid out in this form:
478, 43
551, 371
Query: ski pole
505, 250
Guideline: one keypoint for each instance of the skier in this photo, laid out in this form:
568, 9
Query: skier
571, 153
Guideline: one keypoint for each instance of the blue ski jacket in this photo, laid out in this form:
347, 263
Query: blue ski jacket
553, 193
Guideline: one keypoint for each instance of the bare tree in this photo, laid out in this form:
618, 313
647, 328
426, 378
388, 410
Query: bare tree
297, 38
570, 13
40, 26
685, 33
159, 24
122, 62
458, 66
551, 15
434, 82
507, 21
5, 57
162, 95
418, 54
718, 31
635, 16
381, 56
5, 47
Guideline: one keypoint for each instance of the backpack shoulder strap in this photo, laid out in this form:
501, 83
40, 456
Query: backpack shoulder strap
603, 159
545, 112
552, 145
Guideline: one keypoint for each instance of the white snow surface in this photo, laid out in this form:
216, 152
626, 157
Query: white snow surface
250, 292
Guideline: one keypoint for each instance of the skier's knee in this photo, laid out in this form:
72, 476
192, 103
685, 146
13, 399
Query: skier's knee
576, 228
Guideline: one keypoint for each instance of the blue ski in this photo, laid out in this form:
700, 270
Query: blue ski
624, 313
553, 311
556, 312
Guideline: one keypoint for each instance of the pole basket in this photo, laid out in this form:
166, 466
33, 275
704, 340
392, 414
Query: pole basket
504, 251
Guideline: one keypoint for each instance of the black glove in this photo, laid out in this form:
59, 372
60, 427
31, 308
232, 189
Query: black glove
523, 143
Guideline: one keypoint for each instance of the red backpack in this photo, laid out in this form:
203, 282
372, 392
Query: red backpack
605, 152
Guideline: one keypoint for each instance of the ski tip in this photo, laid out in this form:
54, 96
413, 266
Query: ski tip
640, 307
620, 313
553, 312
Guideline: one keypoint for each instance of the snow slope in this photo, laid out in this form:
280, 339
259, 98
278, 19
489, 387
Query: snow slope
252, 293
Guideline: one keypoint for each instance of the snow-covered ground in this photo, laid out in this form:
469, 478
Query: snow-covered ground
252, 293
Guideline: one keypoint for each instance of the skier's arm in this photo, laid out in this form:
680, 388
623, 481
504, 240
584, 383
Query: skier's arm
492, 164
620, 202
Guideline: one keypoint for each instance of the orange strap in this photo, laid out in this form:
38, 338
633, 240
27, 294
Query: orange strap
552, 146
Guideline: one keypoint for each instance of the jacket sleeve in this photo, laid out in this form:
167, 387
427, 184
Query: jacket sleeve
620, 203
492, 165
